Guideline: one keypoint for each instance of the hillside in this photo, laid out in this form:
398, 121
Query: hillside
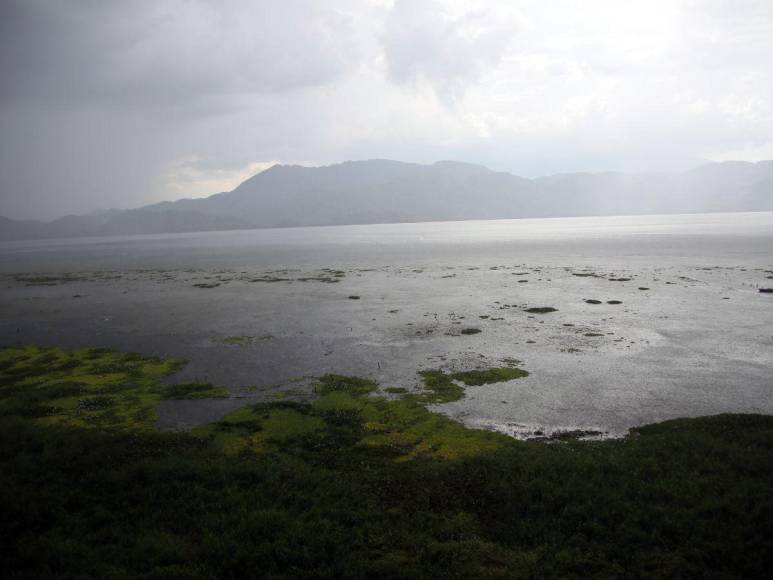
383, 191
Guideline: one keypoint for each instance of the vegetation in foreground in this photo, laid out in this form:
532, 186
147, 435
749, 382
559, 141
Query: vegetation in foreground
355, 485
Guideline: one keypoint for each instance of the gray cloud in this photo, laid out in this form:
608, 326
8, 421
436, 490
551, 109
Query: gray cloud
427, 41
116, 104
170, 54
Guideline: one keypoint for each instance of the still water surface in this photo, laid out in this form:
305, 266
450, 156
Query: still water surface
697, 340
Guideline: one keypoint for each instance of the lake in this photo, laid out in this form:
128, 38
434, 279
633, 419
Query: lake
691, 334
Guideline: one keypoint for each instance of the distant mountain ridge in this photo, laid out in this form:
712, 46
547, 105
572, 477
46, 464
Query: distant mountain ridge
384, 191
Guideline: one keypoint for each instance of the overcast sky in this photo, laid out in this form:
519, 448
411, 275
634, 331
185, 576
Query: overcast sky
118, 104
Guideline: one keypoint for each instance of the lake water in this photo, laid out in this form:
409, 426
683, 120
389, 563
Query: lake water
697, 340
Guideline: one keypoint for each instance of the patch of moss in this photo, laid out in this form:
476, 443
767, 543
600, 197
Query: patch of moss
86, 387
440, 386
489, 376
354, 386
346, 418
396, 390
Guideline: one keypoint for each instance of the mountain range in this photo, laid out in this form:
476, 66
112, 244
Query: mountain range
383, 191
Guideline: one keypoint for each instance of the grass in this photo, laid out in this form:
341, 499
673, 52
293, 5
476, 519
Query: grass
357, 486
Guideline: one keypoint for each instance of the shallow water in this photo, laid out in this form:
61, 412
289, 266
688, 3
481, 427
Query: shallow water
698, 341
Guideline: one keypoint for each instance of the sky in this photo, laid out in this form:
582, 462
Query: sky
116, 104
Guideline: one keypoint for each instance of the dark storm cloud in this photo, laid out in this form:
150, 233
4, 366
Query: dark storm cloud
118, 103
98, 97
147, 54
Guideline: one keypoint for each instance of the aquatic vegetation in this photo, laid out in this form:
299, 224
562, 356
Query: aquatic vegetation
439, 387
47, 279
442, 388
540, 309
586, 275
346, 417
355, 386
86, 388
469, 331
489, 376
271, 279
245, 340
354, 485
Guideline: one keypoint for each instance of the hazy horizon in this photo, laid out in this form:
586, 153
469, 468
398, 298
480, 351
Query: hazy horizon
99, 209
116, 105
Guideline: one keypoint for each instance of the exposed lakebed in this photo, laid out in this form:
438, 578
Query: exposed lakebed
620, 321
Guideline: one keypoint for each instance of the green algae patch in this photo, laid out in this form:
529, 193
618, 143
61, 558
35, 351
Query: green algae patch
488, 376
439, 387
354, 386
468, 331
442, 387
408, 430
88, 387
540, 310
348, 420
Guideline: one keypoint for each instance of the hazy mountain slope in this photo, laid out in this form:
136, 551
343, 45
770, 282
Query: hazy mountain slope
382, 191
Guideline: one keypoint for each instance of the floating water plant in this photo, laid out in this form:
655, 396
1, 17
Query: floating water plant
470, 331
88, 387
355, 485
